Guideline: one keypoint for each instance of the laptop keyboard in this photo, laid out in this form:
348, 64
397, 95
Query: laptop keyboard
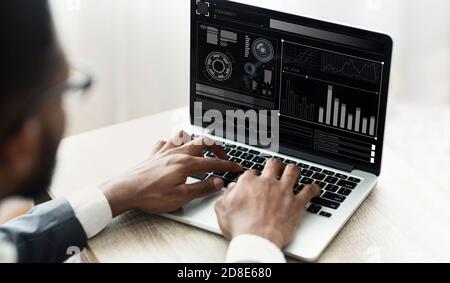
335, 187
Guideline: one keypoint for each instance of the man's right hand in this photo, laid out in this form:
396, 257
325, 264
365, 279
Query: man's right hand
158, 185
265, 205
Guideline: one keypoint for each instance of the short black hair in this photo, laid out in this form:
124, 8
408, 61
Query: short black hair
29, 54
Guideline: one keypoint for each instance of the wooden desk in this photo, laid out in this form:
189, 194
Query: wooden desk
407, 218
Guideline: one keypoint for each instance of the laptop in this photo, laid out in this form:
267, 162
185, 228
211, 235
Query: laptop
329, 84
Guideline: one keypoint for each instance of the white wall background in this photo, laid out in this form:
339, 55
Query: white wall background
139, 50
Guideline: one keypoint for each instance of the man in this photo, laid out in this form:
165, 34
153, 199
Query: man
259, 214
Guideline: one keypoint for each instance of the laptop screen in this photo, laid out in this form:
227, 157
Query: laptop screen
328, 82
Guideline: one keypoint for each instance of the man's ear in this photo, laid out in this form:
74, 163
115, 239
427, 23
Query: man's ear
21, 151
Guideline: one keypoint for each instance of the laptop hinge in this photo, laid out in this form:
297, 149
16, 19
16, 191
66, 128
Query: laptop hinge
307, 156
317, 159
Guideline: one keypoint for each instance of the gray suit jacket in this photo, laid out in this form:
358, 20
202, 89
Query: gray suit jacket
47, 234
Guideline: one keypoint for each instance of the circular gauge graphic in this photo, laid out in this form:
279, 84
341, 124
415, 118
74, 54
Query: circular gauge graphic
219, 66
263, 50
250, 69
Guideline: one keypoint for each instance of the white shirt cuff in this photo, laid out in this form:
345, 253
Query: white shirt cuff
8, 253
252, 248
92, 210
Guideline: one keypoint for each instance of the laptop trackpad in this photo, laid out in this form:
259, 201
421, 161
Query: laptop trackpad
199, 212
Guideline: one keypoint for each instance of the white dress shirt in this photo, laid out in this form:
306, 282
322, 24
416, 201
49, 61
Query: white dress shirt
92, 202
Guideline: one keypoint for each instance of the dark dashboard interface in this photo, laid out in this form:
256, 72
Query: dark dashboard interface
329, 82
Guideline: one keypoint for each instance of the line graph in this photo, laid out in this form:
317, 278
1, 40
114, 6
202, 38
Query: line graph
303, 57
347, 69
351, 68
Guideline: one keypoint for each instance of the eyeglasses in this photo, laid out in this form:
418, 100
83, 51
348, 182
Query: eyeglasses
77, 82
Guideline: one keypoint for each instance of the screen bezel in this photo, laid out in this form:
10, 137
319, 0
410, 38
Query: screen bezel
379, 38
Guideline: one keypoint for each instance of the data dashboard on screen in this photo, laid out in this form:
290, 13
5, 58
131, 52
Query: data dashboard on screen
329, 82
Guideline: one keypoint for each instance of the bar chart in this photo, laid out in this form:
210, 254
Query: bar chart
297, 105
335, 114
330, 105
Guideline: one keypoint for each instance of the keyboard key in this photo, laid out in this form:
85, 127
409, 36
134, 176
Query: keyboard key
307, 173
342, 176
332, 188
325, 214
299, 188
315, 169
326, 172
227, 150
227, 182
322, 185
247, 164
334, 197
232, 176
254, 152
287, 161
352, 179
243, 149
219, 174
345, 192
235, 153
302, 165
236, 160
201, 177
325, 202
230, 145
347, 184
307, 181
314, 209
259, 160
210, 154
265, 155
247, 156
319, 176
331, 180
258, 167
